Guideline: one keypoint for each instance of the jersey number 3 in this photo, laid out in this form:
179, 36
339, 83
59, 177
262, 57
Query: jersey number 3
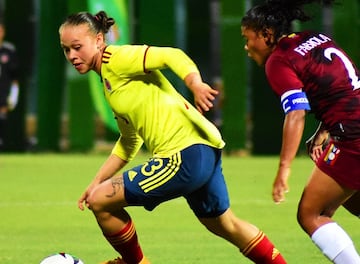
355, 82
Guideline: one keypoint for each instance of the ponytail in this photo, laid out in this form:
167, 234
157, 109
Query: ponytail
104, 21
99, 23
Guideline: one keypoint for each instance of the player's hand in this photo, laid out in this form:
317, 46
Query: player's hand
204, 96
280, 185
316, 152
83, 198
316, 144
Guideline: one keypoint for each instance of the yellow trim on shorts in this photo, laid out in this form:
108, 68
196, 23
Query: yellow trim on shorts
163, 176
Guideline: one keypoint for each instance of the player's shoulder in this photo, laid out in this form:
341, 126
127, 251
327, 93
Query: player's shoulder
303, 40
121, 53
124, 49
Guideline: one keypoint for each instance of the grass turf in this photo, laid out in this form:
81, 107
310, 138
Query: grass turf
39, 214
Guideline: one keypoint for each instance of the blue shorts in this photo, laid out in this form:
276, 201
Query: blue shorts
194, 173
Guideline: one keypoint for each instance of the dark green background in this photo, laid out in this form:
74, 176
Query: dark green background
251, 113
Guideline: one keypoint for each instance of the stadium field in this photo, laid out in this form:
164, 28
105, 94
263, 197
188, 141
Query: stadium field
39, 214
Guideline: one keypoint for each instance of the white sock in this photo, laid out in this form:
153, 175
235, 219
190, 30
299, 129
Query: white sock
347, 256
335, 244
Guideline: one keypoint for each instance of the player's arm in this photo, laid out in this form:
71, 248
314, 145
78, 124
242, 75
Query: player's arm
129, 142
185, 68
123, 151
204, 95
293, 128
295, 104
110, 167
13, 96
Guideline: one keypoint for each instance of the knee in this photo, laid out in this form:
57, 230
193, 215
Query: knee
94, 203
300, 217
304, 217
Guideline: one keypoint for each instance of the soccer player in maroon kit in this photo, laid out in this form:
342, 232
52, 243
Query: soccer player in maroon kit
310, 73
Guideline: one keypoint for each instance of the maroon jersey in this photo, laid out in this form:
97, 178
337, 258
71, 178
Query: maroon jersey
313, 63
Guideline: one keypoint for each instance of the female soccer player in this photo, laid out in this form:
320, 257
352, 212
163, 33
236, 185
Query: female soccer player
309, 72
186, 147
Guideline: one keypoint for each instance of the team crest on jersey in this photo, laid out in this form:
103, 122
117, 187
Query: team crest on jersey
107, 85
332, 154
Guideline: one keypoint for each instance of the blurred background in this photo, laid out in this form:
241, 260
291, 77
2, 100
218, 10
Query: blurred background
60, 110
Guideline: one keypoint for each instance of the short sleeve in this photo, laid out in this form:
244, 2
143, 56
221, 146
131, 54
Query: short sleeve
281, 76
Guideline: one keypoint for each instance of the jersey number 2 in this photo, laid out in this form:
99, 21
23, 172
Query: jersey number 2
355, 82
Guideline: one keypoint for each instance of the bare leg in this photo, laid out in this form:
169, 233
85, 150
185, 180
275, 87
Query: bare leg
107, 202
321, 197
245, 236
231, 228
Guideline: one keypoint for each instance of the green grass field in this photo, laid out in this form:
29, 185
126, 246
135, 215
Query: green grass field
39, 214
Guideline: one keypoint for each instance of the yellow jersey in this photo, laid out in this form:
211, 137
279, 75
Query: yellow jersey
147, 107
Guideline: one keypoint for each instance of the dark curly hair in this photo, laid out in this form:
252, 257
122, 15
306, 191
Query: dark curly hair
277, 15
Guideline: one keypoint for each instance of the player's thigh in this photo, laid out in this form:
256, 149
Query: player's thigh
211, 199
321, 194
108, 195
